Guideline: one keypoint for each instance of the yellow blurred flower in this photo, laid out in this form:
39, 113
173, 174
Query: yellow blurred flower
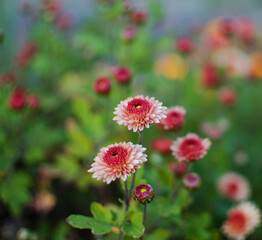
257, 65
171, 66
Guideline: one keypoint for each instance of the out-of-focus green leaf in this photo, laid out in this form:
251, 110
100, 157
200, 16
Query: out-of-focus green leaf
159, 233
14, 191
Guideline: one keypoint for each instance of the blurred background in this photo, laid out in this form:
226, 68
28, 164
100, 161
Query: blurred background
54, 116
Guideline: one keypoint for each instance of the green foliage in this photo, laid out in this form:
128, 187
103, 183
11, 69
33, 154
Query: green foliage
14, 191
100, 224
133, 226
97, 226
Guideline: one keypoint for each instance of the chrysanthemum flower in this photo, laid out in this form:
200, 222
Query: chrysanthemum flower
241, 221
190, 148
174, 118
139, 112
118, 160
234, 186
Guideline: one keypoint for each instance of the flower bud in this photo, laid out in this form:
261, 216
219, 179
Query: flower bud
122, 74
17, 100
138, 17
129, 34
184, 45
191, 181
102, 85
144, 193
33, 102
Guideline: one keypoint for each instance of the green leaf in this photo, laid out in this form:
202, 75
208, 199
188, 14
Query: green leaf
82, 222
134, 227
101, 213
159, 233
9, 194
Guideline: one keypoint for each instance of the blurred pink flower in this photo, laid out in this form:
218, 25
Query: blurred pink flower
174, 119
64, 21
122, 74
210, 75
228, 96
191, 181
33, 102
233, 186
139, 112
184, 45
190, 148
26, 53
17, 100
161, 145
241, 221
102, 85
138, 16
129, 34
118, 160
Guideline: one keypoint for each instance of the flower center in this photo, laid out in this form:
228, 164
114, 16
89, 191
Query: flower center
191, 145
142, 190
232, 188
138, 106
237, 219
116, 156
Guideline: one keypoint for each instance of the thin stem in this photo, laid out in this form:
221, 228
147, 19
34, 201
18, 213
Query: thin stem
144, 219
126, 197
120, 236
140, 137
144, 214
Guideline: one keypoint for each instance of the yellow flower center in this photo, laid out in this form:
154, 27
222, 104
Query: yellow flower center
143, 190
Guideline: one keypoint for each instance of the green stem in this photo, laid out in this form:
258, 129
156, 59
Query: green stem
144, 219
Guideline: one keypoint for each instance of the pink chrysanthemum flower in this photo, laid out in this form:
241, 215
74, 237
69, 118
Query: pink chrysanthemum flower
118, 160
174, 118
139, 112
234, 186
241, 221
190, 148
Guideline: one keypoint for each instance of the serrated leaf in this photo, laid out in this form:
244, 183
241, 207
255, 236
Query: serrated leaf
101, 213
82, 222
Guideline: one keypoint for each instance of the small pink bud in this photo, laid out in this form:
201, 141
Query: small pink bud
144, 193
191, 181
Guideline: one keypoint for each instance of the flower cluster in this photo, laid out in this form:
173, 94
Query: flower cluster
19, 99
